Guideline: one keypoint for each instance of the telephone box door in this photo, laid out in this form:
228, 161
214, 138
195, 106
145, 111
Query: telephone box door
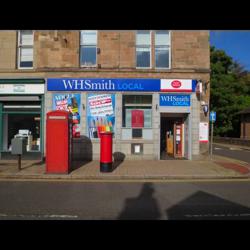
58, 142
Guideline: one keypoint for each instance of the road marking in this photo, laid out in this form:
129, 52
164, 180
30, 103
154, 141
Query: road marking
131, 180
237, 149
62, 216
216, 215
217, 148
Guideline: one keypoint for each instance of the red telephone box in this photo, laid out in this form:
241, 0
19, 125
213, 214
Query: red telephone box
106, 152
58, 142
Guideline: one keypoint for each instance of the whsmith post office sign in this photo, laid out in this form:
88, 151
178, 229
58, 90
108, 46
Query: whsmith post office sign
174, 100
129, 84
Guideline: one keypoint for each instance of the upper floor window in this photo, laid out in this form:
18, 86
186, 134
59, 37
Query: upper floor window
88, 48
143, 49
162, 49
25, 49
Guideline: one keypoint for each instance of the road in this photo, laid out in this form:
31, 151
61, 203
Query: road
232, 152
170, 200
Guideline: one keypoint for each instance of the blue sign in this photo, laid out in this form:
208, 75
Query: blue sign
212, 116
106, 84
97, 84
174, 100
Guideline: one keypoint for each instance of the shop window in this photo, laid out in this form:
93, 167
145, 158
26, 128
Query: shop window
100, 114
162, 49
88, 48
25, 49
143, 49
21, 119
137, 114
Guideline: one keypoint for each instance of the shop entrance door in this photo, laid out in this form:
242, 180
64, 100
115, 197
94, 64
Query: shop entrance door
174, 139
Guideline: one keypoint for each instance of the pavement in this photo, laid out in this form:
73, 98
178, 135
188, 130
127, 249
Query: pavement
216, 168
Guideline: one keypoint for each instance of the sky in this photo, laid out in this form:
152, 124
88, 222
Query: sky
235, 43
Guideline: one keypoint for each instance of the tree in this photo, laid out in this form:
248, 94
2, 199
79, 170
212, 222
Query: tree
230, 92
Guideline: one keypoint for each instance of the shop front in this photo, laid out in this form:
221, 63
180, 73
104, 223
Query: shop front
137, 111
22, 115
175, 132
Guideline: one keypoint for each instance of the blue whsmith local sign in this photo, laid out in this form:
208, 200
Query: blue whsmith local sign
174, 100
212, 116
120, 84
101, 84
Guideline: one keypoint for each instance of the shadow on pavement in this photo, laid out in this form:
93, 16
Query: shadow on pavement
143, 207
78, 164
39, 163
204, 206
82, 152
119, 157
25, 156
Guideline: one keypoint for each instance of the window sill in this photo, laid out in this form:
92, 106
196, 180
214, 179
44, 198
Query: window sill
143, 68
25, 68
162, 68
88, 67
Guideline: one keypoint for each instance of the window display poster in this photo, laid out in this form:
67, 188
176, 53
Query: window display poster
204, 132
71, 103
100, 114
145, 120
137, 120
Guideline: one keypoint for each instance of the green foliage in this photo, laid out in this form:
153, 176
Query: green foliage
230, 92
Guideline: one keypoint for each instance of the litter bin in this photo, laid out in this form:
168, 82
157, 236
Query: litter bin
106, 162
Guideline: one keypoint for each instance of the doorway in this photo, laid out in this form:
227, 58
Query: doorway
174, 136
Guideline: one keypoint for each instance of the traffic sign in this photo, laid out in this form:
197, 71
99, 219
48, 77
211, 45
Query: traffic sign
212, 116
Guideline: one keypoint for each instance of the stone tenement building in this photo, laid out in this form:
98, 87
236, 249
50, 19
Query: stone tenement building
150, 88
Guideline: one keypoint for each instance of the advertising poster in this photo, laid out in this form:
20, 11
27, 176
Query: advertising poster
71, 103
137, 118
204, 132
100, 114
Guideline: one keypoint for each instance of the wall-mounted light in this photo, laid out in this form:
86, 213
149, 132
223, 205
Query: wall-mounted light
198, 88
205, 108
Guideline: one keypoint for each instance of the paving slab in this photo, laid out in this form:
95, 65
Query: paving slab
130, 169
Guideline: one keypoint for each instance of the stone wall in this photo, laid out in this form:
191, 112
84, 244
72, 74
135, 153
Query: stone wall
8, 49
56, 49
